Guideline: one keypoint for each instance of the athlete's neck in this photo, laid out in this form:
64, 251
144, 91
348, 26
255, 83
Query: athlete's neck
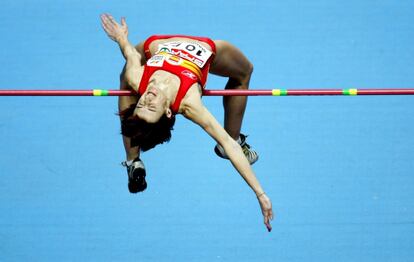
166, 83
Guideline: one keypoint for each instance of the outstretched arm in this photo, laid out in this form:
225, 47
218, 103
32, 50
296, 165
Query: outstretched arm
198, 113
130, 73
119, 33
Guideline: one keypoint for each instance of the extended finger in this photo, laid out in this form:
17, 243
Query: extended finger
268, 226
105, 17
271, 214
123, 22
267, 223
106, 27
111, 19
105, 21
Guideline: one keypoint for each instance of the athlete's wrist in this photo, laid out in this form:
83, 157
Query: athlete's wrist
122, 39
259, 194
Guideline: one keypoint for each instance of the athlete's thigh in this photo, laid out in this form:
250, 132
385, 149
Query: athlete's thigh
230, 61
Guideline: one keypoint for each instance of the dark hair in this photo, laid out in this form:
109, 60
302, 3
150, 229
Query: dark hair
143, 134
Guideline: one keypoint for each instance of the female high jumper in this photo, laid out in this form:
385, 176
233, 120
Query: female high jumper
168, 74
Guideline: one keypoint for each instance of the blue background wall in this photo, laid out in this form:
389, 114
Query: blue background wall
338, 169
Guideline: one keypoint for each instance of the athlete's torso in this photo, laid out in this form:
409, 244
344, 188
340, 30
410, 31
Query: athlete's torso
186, 57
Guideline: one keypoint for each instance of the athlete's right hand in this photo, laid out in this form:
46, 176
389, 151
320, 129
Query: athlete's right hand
115, 31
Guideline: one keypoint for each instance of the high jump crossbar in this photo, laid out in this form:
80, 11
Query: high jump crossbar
254, 92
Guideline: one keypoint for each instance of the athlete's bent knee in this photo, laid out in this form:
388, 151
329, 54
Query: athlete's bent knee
246, 75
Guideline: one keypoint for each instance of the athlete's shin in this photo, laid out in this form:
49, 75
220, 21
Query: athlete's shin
131, 152
234, 108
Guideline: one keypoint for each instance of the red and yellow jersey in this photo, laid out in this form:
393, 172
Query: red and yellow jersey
190, 61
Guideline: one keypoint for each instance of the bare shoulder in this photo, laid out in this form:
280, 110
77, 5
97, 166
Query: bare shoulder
194, 109
132, 77
140, 48
192, 104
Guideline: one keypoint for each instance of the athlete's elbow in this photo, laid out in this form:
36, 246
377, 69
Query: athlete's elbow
229, 144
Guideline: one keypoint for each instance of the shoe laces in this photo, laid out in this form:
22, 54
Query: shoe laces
249, 153
125, 163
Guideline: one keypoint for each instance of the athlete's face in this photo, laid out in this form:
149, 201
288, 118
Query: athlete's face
152, 105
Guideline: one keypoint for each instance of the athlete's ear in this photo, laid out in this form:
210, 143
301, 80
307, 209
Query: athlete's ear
168, 113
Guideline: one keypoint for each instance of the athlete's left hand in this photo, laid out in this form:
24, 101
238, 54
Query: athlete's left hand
266, 206
115, 31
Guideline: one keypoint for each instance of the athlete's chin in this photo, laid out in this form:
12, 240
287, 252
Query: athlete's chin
143, 115
153, 91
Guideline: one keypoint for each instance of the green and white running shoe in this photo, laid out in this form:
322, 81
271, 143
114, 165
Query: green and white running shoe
250, 154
